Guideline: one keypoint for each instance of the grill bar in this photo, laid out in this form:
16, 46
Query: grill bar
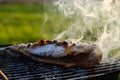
98, 69
27, 69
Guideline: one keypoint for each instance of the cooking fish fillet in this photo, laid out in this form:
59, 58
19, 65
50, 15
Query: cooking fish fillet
63, 53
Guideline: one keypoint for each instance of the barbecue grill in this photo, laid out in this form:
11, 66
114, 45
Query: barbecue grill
22, 68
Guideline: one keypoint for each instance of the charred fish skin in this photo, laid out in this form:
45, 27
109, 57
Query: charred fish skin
61, 53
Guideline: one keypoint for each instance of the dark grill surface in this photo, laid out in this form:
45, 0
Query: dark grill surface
20, 68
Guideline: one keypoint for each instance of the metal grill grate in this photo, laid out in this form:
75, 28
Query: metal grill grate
20, 68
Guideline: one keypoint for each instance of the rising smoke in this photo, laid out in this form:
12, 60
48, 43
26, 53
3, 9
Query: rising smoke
97, 21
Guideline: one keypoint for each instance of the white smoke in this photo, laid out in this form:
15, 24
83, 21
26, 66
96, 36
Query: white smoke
97, 21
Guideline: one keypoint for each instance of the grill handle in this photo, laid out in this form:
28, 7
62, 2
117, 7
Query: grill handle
3, 75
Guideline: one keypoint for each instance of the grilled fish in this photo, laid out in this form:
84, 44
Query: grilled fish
63, 53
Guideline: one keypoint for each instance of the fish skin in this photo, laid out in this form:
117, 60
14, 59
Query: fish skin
58, 53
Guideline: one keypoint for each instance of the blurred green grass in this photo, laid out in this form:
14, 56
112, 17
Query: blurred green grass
21, 23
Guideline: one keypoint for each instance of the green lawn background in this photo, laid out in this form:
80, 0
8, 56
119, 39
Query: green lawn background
21, 23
